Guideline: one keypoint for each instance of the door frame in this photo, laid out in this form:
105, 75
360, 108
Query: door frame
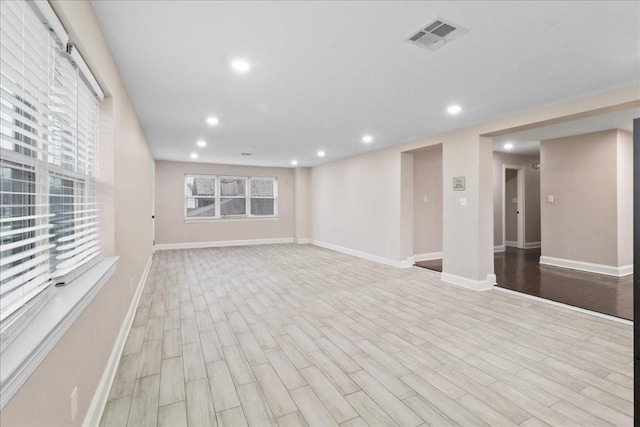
521, 204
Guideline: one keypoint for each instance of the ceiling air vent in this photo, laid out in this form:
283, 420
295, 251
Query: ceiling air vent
436, 33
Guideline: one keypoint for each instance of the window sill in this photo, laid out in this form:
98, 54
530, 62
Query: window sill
21, 358
230, 218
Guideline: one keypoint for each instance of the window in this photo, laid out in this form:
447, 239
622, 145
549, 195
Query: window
233, 196
200, 196
48, 162
263, 196
211, 197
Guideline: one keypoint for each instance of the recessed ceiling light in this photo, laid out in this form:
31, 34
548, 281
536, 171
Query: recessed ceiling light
321, 153
212, 121
367, 139
508, 146
454, 109
294, 162
194, 155
240, 65
201, 143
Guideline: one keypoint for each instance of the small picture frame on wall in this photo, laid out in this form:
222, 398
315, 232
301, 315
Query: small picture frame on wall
458, 183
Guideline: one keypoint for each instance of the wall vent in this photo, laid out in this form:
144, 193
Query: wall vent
436, 34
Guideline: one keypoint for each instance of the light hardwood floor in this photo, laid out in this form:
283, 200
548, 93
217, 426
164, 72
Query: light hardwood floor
296, 335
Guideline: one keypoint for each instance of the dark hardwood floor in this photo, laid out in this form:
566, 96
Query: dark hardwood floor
519, 270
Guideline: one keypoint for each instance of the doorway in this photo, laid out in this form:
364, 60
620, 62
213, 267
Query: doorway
513, 209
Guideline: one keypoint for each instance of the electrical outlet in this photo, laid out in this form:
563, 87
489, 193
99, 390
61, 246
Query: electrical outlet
74, 403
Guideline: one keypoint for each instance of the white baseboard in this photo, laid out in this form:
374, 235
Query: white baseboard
428, 256
567, 306
303, 241
222, 243
476, 285
532, 245
99, 401
607, 270
510, 244
500, 248
407, 263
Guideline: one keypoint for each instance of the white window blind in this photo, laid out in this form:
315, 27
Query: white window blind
48, 162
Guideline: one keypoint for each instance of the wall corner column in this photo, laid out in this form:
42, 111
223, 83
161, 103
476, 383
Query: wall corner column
468, 211
302, 204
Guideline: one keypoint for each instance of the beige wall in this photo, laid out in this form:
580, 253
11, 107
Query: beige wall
169, 209
532, 195
80, 357
625, 197
427, 216
511, 208
580, 172
302, 200
356, 201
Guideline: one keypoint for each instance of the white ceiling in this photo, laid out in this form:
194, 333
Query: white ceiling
325, 73
527, 143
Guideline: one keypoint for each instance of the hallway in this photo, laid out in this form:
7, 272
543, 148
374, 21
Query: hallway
519, 270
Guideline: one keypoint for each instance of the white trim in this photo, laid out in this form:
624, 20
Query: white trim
407, 263
532, 245
229, 218
510, 244
476, 285
303, 240
99, 401
221, 243
500, 248
48, 17
21, 358
77, 59
428, 256
607, 270
567, 306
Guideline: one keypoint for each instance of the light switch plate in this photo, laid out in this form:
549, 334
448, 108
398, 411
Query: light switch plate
549, 199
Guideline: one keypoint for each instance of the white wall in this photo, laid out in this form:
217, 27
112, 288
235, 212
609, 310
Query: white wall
625, 197
356, 203
581, 173
302, 200
427, 216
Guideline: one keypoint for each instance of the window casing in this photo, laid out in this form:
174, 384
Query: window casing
227, 197
48, 164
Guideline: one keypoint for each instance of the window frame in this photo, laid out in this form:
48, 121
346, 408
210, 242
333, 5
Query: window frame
248, 215
220, 197
215, 193
274, 197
